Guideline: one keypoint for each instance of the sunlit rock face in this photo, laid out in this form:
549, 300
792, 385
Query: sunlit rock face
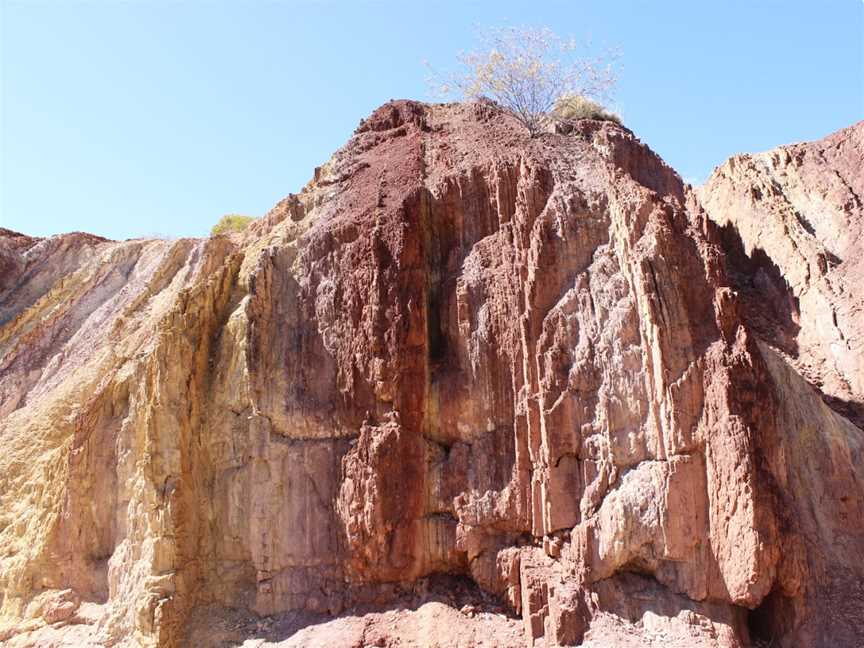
794, 218
543, 365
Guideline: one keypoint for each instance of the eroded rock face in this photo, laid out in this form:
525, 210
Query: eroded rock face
794, 222
793, 229
540, 364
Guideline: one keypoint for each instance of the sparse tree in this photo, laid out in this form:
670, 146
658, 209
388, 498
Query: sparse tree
231, 223
526, 70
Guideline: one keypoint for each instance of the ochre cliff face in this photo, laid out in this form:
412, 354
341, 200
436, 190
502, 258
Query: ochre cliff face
797, 213
793, 230
543, 365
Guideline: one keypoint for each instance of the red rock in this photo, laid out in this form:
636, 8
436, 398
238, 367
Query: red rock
538, 363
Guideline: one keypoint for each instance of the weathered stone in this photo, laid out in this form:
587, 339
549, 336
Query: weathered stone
542, 364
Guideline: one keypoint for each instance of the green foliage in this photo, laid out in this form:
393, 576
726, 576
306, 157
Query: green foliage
573, 107
231, 223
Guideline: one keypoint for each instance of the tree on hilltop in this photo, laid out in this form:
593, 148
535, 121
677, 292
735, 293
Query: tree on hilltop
528, 71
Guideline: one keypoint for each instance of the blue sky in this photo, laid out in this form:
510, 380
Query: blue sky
137, 118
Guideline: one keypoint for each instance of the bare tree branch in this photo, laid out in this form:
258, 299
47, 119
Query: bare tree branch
527, 71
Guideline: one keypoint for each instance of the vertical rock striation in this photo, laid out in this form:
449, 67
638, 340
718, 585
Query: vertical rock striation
542, 364
793, 229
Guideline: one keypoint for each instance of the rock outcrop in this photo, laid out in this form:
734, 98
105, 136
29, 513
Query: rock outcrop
795, 231
629, 413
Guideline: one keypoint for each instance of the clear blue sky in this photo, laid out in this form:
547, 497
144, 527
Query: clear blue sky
137, 118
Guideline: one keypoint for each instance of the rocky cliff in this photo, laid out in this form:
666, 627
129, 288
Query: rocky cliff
466, 388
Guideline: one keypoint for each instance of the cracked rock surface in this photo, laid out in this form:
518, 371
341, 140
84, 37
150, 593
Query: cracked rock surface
466, 388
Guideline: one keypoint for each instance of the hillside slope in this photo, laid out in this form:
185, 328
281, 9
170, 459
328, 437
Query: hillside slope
463, 378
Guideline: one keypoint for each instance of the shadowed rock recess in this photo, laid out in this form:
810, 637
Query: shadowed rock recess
466, 389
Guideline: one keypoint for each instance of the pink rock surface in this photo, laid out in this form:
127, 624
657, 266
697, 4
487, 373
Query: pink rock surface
544, 365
